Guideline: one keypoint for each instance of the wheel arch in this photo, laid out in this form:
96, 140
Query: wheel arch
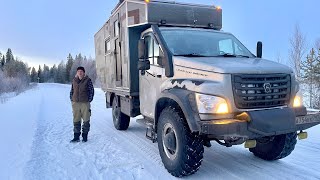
184, 101
112, 96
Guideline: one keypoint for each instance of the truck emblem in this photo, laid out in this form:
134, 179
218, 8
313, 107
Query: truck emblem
267, 87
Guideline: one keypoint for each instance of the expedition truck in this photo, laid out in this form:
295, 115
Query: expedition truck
193, 83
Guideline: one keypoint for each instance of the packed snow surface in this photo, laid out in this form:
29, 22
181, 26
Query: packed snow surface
36, 127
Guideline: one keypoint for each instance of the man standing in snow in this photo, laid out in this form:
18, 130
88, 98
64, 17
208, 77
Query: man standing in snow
81, 95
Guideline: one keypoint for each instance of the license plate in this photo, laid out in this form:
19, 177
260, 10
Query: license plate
310, 118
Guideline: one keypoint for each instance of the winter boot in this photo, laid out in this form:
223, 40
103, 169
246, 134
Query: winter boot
75, 138
84, 137
207, 143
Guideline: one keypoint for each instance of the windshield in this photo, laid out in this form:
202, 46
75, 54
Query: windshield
203, 43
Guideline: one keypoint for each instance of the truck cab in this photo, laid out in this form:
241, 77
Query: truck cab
193, 83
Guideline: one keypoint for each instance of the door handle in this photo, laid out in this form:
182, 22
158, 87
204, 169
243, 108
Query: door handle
159, 76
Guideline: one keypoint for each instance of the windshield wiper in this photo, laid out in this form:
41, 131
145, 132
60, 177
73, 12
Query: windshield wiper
231, 55
191, 55
243, 56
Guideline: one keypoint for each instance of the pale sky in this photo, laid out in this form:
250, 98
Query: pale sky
41, 31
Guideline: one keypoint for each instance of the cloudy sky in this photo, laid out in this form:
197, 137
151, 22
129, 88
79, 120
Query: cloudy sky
45, 31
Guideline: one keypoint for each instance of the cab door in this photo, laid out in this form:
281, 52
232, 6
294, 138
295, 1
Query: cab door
151, 80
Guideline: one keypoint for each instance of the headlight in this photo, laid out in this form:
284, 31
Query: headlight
297, 102
211, 104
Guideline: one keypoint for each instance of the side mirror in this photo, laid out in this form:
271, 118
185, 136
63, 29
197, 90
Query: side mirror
259, 49
144, 65
141, 49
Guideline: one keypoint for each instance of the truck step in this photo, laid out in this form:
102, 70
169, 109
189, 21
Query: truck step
150, 133
145, 122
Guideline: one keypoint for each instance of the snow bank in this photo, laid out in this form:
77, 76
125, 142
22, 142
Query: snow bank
18, 124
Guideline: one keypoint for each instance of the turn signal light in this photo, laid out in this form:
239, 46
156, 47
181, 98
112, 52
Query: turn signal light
222, 108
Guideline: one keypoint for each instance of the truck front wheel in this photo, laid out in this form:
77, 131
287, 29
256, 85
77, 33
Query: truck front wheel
181, 150
274, 148
120, 120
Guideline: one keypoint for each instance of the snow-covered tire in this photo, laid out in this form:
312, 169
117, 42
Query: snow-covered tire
121, 121
276, 148
186, 156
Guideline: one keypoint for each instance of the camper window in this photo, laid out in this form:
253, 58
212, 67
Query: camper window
116, 28
107, 46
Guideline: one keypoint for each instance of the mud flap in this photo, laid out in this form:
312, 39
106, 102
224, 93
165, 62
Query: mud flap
272, 121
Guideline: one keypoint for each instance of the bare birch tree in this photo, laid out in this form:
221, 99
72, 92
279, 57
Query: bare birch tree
297, 50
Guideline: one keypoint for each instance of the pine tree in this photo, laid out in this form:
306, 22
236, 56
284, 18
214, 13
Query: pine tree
33, 75
61, 73
3, 61
9, 56
53, 73
68, 68
1, 65
40, 74
45, 73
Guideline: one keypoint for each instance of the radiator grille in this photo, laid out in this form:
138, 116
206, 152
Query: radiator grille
261, 91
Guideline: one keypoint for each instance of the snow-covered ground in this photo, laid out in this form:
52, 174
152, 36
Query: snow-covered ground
36, 127
5, 96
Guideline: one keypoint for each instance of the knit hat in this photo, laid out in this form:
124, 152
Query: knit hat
81, 68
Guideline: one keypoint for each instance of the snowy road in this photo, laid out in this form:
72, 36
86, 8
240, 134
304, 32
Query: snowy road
36, 127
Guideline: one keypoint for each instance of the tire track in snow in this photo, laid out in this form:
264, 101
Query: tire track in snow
42, 155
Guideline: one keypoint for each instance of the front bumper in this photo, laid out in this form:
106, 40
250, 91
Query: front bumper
261, 123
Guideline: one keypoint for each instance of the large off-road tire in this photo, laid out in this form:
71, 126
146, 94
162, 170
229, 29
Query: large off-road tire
181, 151
275, 148
121, 121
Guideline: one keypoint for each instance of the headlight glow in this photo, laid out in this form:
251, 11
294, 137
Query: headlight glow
298, 102
211, 104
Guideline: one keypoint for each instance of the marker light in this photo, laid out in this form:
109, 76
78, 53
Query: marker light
147, 1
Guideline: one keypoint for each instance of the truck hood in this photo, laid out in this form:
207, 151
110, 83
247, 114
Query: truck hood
232, 65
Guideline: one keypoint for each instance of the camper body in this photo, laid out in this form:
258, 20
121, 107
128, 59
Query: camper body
193, 83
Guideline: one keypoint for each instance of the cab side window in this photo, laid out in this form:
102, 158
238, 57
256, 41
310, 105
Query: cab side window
149, 45
156, 53
153, 50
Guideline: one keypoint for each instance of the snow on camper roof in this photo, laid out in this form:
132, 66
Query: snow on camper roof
171, 13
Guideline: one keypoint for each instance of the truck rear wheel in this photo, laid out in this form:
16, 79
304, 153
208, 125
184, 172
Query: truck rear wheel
121, 121
275, 148
181, 150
